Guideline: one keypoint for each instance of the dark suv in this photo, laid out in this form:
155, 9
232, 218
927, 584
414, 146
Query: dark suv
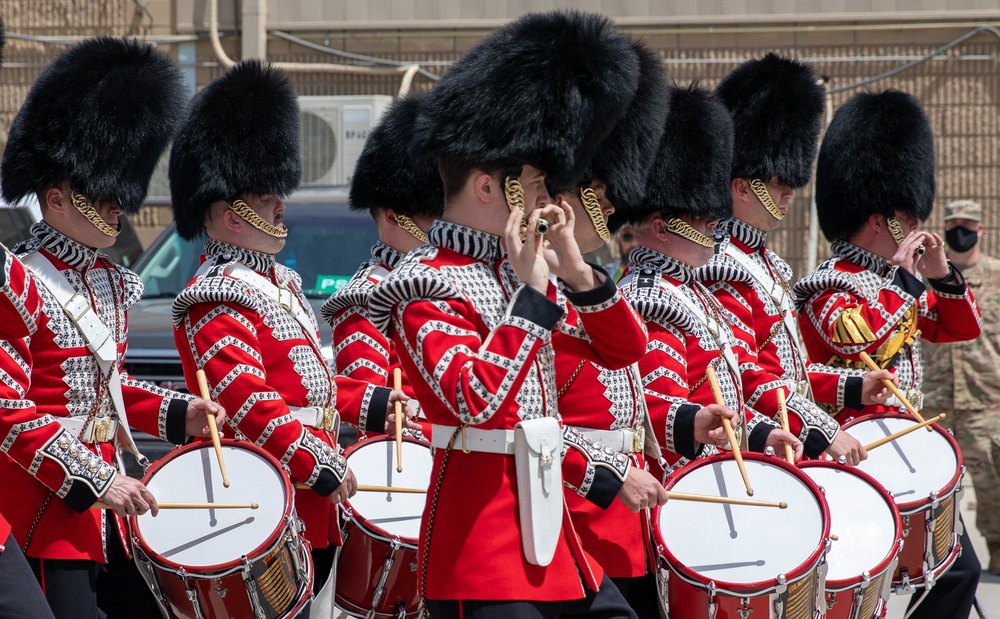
326, 243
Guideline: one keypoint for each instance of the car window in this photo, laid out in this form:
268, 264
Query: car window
325, 245
15, 224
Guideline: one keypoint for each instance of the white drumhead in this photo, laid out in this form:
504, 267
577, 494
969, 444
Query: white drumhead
374, 464
910, 467
736, 543
860, 517
208, 537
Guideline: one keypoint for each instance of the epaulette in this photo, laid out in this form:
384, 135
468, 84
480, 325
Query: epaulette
357, 291
779, 262
14, 300
215, 287
825, 277
133, 286
410, 280
653, 298
722, 268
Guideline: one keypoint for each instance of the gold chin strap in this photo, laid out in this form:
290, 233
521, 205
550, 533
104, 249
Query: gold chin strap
683, 229
759, 189
895, 230
247, 214
592, 204
513, 191
407, 224
82, 204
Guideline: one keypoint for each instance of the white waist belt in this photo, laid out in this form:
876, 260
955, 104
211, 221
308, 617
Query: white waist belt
472, 439
99, 430
317, 417
621, 441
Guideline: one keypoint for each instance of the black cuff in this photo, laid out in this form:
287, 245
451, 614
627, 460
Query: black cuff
911, 285
953, 283
595, 296
815, 444
326, 484
377, 410
758, 437
684, 441
537, 308
605, 488
852, 392
80, 497
176, 421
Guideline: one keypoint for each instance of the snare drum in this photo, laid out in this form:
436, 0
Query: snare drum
923, 473
377, 573
734, 560
862, 559
215, 563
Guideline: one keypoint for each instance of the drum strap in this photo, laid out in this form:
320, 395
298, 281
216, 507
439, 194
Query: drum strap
96, 335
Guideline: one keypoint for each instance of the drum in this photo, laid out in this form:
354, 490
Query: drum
866, 538
742, 561
923, 473
377, 574
215, 563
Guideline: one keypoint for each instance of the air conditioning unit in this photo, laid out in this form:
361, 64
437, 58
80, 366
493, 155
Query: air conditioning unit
333, 131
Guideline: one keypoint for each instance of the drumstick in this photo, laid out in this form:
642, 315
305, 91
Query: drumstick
212, 428
892, 386
895, 435
103, 505
707, 498
713, 380
301, 486
783, 418
397, 384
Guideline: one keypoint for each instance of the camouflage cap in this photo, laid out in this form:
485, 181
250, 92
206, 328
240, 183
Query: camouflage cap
963, 209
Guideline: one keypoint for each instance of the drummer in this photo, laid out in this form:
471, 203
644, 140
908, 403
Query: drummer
686, 196
243, 319
66, 433
869, 297
777, 105
403, 198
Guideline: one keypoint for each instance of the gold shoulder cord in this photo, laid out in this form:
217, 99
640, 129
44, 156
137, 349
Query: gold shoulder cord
407, 224
683, 229
247, 214
82, 204
759, 189
592, 204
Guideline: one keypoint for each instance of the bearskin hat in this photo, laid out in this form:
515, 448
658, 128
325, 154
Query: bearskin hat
386, 177
543, 90
241, 136
877, 157
777, 106
690, 174
623, 160
99, 117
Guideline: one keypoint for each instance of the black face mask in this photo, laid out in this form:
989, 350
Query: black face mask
961, 239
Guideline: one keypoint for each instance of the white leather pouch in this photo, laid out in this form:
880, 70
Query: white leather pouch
537, 453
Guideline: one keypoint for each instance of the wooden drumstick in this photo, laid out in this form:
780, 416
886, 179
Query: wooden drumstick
301, 486
397, 384
892, 387
103, 505
707, 498
212, 428
904, 432
783, 419
727, 425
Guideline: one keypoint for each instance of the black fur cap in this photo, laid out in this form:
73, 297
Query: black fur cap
386, 177
777, 106
99, 117
690, 175
241, 136
877, 157
543, 90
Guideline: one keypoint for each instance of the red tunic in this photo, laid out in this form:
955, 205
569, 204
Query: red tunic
479, 351
750, 285
857, 301
681, 316
259, 360
50, 477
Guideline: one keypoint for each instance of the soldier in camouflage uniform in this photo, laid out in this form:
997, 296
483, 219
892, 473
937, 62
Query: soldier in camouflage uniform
961, 378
